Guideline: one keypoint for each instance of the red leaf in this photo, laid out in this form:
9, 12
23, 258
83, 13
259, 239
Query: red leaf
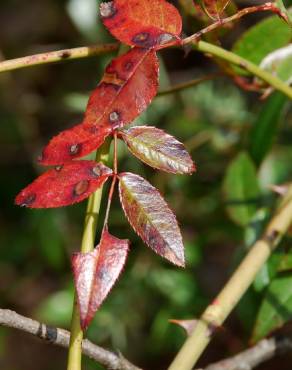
96, 272
64, 185
150, 217
213, 8
143, 23
73, 143
158, 149
126, 89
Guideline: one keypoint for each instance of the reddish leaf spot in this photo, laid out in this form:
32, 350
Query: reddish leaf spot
96, 272
81, 187
64, 185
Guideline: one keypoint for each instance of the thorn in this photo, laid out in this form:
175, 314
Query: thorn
279, 189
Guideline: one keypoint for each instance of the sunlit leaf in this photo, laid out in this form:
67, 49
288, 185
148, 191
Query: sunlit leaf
143, 23
126, 89
276, 308
213, 8
279, 63
158, 149
241, 189
96, 272
74, 143
64, 185
151, 217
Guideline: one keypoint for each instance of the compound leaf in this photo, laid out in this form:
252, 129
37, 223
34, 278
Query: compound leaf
73, 143
144, 23
158, 149
64, 185
96, 272
151, 217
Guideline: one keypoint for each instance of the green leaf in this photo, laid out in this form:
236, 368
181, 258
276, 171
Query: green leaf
276, 308
265, 127
266, 36
241, 189
158, 149
279, 63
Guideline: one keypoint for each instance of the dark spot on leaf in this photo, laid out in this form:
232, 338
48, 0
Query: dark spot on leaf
58, 168
96, 171
74, 149
81, 187
114, 116
28, 200
143, 39
128, 66
107, 10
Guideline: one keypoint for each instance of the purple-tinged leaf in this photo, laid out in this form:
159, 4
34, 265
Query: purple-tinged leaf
151, 217
64, 185
158, 149
96, 272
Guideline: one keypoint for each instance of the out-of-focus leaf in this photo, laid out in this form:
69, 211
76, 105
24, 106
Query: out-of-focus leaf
64, 185
279, 63
158, 149
266, 36
213, 8
151, 217
144, 23
241, 189
187, 325
96, 272
265, 127
126, 89
74, 143
276, 308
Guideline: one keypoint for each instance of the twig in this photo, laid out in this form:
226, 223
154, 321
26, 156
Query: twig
235, 59
60, 337
56, 56
252, 357
221, 22
223, 304
188, 84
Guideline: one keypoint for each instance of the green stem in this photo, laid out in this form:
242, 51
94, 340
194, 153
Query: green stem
87, 245
56, 56
223, 304
235, 59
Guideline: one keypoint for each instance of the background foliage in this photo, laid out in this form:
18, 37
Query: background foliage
240, 144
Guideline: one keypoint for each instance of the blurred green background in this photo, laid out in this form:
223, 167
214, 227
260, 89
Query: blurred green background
240, 144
